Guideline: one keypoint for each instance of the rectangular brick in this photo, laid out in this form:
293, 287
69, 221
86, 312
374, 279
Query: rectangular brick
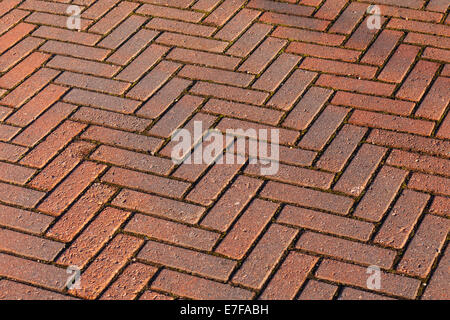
289, 277
324, 222
83, 66
102, 270
418, 81
438, 287
317, 290
341, 148
247, 229
307, 108
163, 98
113, 17
216, 75
75, 50
295, 34
349, 18
176, 210
281, 7
225, 211
59, 138
373, 103
73, 221
153, 80
223, 12
21, 269
176, 116
249, 40
65, 35
276, 72
37, 105
323, 128
145, 182
30, 246
171, 13
192, 42
111, 119
435, 102
237, 25
357, 174
132, 160
132, 47
292, 89
294, 21
262, 56
385, 121
11, 290
357, 276
24, 220
92, 239
176, 233
295, 175
409, 142
240, 110
228, 92
398, 65
380, 193
203, 58
425, 246
19, 196
122, 139
182, 284
325, 52
180, 26
44, 124
131, 281
11, 152
143, 62
307, 197
380, 50
73, 185
188, 260
14, 173
400, 222
264, 256
415, 161
210, 186
338, 67
95, 84
347, 250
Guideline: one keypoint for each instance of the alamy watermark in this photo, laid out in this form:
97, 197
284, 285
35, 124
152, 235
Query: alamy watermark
374, 20
211, 144
374, 280
74, 21
74, 280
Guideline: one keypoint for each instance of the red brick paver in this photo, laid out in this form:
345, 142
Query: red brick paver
86, 179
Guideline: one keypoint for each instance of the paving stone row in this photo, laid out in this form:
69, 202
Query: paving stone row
87, 179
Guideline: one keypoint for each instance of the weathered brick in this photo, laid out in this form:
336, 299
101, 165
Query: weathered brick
184, 259
247, 229
324, 222
263, 258
175, 233
424, 246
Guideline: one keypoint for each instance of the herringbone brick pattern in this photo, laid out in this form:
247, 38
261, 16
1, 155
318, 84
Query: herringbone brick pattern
86, 177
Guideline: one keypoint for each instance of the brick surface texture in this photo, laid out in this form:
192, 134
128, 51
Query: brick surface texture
87, 179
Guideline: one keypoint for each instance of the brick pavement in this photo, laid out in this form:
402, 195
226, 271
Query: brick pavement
86, 177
